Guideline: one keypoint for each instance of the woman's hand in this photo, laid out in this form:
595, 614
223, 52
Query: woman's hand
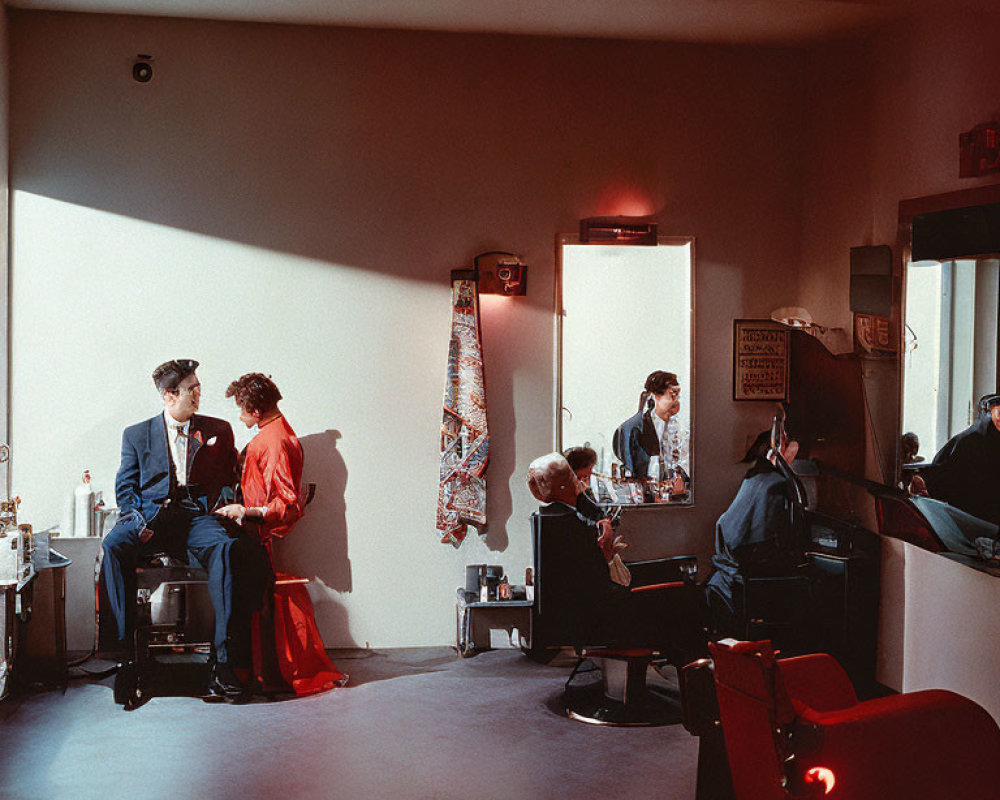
234, 511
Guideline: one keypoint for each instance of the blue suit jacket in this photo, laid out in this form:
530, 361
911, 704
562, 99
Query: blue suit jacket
634, 442
143, 480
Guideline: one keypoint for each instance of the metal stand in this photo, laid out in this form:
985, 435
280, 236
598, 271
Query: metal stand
622, 698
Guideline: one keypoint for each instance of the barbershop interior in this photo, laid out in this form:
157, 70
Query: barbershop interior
638, 370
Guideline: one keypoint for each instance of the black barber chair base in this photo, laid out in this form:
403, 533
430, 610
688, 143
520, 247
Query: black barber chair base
164, 666
170, 656
622, 698
701, 718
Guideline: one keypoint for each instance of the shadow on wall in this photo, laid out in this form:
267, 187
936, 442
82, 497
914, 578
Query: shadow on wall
500, 361
312, 180
317, 547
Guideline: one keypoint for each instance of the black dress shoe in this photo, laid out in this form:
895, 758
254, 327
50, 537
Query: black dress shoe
223, 685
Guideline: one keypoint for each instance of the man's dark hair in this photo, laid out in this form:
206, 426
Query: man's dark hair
759, 447
168, 375
254, 392
580, 457
987, 401
658, 382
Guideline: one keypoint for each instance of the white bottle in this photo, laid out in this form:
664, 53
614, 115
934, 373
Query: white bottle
83, 507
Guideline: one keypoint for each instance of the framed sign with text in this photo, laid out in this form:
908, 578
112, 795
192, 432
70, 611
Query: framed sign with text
760, 360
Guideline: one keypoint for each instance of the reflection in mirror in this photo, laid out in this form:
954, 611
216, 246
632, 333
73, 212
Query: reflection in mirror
625, 367
950, 355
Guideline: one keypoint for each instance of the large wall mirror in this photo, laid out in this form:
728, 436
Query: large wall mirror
950, 347
625, 312
950, 310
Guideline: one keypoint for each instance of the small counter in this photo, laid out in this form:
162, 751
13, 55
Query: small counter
475, 620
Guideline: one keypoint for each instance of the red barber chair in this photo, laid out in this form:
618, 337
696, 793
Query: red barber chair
795, 729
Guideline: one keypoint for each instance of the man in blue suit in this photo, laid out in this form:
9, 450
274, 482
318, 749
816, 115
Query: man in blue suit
649, 433
173, 468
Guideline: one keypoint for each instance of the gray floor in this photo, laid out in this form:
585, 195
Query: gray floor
414, 723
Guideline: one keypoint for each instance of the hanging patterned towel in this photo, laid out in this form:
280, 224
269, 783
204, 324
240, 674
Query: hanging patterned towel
465, 440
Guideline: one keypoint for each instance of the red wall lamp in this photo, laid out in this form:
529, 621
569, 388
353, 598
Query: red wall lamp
508, 277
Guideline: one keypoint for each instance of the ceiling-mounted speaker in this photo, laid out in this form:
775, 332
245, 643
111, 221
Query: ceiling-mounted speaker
871, 280
142, 69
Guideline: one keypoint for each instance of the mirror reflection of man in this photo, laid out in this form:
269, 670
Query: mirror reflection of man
173, 467
654, 432
965, 472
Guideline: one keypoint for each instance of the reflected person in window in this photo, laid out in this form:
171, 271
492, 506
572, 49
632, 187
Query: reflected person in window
654, 432
965, 472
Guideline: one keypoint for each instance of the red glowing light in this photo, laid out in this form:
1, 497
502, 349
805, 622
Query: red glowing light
822, 775
625, 199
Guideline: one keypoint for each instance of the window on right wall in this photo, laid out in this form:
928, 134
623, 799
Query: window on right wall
950, 346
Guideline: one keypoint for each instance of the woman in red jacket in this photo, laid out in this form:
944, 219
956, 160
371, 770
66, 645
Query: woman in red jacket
272, 502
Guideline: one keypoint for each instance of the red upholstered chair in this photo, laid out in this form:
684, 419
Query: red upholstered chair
795, 728
900, 519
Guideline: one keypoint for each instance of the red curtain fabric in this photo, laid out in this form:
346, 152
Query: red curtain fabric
302, 658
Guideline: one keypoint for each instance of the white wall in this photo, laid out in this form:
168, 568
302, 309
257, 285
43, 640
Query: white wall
4, 238
938, 625
291, 199
882, 120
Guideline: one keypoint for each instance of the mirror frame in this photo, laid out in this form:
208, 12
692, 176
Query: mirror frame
559, 313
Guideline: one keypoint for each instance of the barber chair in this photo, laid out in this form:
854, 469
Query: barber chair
774, 606
175, 626
795, 729
900, 519
772, 600
568, 613
700, 709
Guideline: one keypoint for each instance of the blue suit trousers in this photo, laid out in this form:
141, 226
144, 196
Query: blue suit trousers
175, 529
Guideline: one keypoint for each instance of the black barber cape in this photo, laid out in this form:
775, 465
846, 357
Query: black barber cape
751, 536
966, 471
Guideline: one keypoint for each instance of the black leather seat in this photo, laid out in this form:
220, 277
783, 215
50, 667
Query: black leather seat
657, 617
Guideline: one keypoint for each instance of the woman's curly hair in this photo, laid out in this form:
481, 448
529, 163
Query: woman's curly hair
254, 392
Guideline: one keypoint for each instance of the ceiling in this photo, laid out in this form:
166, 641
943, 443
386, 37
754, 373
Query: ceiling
770, 22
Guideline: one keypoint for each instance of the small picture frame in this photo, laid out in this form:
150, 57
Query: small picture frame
760, 360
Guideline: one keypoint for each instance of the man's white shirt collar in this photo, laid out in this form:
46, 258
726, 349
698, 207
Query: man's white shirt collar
659, 424
172, 423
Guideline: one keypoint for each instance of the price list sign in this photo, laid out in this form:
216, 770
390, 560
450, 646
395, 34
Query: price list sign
760, 360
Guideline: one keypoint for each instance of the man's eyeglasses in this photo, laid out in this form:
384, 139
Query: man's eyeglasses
187, 390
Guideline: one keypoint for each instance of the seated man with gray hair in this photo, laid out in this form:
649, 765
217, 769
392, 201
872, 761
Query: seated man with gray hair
608, 613
552, 478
